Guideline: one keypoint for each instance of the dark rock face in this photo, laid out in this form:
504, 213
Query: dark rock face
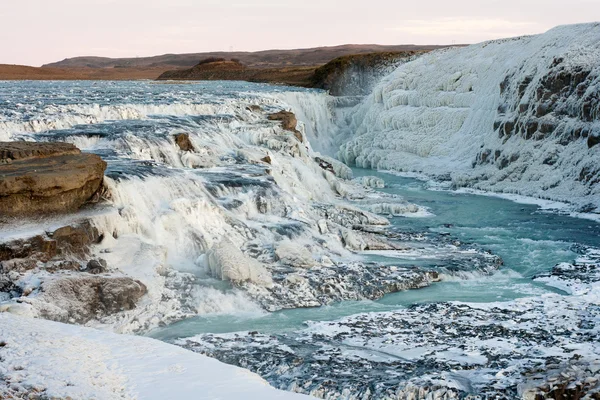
95, 267
46, 178
536, 109
183, 141
355, 75
327, 166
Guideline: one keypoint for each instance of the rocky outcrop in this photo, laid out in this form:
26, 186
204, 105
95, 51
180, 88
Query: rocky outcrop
85, 297
72, 240
183, 141
67, 288
355, 75
536, 108
288, 122
38, 178
227, 70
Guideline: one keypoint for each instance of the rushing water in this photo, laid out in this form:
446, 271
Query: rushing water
131, 125
529, 240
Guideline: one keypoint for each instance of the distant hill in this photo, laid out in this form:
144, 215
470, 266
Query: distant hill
258, 59
212, 69
335, 76
23, 72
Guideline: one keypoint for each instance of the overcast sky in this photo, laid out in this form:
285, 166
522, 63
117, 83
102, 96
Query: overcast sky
34, 32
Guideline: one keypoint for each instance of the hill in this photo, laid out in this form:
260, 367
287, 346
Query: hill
347, 75
23, 72
258, 59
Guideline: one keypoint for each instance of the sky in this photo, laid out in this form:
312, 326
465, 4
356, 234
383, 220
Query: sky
34, 32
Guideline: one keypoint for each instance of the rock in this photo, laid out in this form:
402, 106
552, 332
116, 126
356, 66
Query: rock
294, 254
96, 266
357, 74
266, 159
288, 122
227, 262
592, 141
254, 108
83, 298
327, 166
47, 178
183, 141
15, 151
63, 266
75, 239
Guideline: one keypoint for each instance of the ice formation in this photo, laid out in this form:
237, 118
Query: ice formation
517, 115
538, 346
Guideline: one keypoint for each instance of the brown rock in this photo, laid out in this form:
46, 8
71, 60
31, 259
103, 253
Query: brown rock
47, 178
183, 141
266, 159
254, 108
288, 120
75, 239
68, 240
27, 150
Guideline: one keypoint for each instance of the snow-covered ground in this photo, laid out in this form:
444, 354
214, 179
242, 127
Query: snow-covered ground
54, 360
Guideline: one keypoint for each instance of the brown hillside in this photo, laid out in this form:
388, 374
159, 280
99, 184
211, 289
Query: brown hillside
219, 69
22, 72
258, 59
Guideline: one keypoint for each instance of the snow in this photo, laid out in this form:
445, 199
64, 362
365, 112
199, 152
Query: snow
227, 262
59, 360
436, 116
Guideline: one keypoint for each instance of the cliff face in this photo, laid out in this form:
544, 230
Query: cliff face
519, 116
356, 75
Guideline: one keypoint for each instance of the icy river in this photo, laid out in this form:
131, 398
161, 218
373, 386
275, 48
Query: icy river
529, 239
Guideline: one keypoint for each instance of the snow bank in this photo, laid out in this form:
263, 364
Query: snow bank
59, 361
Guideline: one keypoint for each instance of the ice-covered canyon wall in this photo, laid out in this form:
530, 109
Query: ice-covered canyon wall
518, 115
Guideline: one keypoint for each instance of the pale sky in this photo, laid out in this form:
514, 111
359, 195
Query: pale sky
34, 32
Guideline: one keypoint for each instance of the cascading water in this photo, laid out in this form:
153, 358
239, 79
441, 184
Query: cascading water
253, 230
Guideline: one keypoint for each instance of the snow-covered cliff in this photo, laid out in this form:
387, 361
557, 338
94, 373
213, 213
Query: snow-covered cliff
517, 115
